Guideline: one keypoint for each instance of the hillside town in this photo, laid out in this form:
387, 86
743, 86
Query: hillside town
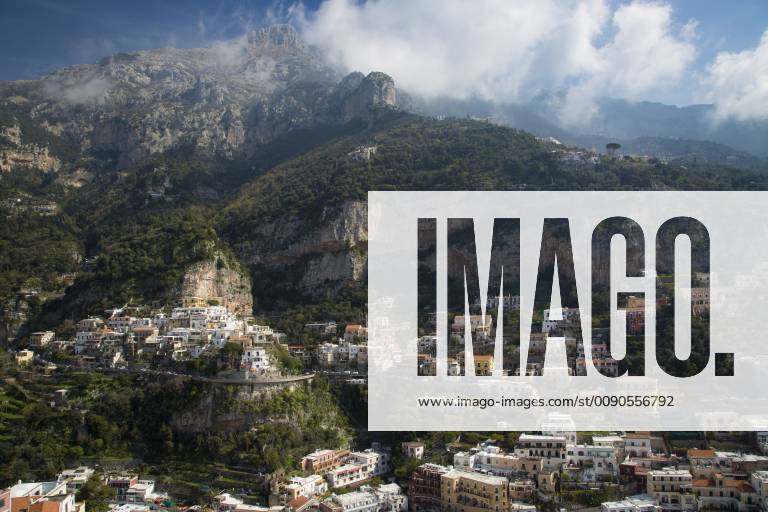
138, 338
553, 469
635, 468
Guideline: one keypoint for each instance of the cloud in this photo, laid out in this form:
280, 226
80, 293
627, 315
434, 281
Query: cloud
737, 83
508, 51
644, 57
76, 89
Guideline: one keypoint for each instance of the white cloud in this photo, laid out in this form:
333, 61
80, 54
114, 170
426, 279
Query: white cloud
507, 51
738, 83
644, 57
76, 89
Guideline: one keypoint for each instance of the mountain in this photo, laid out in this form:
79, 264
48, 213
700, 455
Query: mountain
683, 150
621, 120
628, 120
240, 172
228, 99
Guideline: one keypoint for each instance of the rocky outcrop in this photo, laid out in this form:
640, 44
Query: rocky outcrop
311, 256
14, 314
222, 408
218, 280
15, 154
374, 93
328, 272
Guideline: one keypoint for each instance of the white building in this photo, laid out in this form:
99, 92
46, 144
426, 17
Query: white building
464, 460
672, 489
348, 474
256, 358
639, 503
550, 448
759, 480
413, 449
553, 317
560, 425
637, 444
75, 478
309, 486
595, 462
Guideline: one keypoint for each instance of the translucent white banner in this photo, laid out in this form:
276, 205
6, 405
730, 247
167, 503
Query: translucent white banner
433, 367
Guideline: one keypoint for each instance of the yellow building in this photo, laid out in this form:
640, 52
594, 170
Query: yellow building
193, 302
462, 491
484, 365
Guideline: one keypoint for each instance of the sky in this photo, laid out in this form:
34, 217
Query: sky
674, 51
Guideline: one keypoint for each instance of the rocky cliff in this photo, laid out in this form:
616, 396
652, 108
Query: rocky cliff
219, 280
310, 256
16, 153
226, 100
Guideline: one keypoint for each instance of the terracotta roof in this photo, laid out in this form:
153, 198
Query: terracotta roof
702, 482
44, 506
697, 453
637, 435
297, 502
741, 485
20, 503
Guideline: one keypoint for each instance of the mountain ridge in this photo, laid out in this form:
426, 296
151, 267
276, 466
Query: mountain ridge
194, 169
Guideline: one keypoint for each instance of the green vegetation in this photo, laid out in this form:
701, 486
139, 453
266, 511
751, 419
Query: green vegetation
36, 253
141, 227
286, 363
95, 495
121, 418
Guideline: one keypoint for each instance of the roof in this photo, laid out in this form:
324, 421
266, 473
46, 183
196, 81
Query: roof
606, 439
741, 485
20, 503
698, 453
44, 506
297, 502
480, 477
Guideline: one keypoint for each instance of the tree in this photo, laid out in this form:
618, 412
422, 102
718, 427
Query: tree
230, 354
95, 495
611, 147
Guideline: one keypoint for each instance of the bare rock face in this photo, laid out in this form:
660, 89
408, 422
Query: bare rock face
374, 92
226, 100
15, 153
330, 271
311, 257
219, 281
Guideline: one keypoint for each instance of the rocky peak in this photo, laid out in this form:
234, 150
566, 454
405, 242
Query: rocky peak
374, 92
228, 100
281, 36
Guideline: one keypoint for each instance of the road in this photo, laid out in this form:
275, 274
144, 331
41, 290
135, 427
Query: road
198, 378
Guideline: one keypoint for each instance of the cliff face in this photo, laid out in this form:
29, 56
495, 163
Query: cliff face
15, 153
13, 317
219, 408
221, 281
375, 91
226, 409
311, 257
